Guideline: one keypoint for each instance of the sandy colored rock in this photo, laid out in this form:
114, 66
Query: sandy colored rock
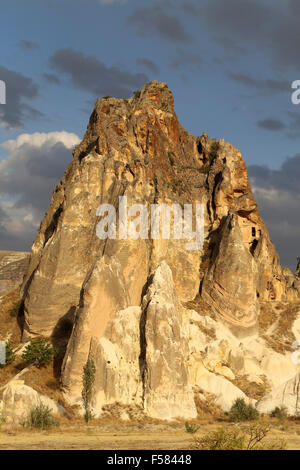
18, 400
13, 267
167, 393
286, 395
126, 302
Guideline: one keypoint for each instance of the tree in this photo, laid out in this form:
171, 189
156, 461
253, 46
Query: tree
88, 379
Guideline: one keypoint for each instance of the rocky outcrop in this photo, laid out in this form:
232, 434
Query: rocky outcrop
286, 396
126, 301
13, 266
18, 401
230, 283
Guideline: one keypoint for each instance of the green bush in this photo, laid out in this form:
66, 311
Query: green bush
242, 412
88, 379
279, 412
10, 355
248, 438
191, 428
39, 352
40, 417
214, 149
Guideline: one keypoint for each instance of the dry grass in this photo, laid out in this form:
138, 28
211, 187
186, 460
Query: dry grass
117, 435
252, 389
282, 316
206, 405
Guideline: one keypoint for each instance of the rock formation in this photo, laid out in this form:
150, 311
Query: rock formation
13, 266
18, 399
162, 323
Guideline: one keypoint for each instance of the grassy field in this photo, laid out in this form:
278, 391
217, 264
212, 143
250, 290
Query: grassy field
131, 436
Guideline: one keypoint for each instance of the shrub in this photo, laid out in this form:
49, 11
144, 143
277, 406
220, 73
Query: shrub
248, 438
137, 93
191, 428
88, 379
279, 412
242, 412
40, 417
10, 355
39, 352
214, 149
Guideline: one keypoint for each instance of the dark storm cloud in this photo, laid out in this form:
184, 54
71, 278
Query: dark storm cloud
270, 124
40, 158
21, 241
291, 124
264, 25
27, 45
155, 20
281, 214
51, 78
28, 176
186, 58
266, 86
149, 65
286, 178
18, 87
238, 17
294, 124
90, 74
278, 195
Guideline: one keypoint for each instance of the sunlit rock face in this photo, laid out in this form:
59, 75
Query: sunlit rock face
126, 302
13, 267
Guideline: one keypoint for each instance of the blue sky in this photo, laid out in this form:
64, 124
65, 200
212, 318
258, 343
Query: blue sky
229, 63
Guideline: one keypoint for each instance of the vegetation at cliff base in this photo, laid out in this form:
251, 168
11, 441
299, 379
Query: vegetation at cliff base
40, 417
247, 438
39, 352
240, 411
88, 379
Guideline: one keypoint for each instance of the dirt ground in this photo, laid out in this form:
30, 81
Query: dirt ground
125, 437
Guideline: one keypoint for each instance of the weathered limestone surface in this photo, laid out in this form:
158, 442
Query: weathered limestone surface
167, 391
159, 321
230, 283
13, 266
287, 395
19, 399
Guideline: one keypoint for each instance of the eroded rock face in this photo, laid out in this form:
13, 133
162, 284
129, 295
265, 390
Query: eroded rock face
19, 399
123, 301
286, 395
230, 283
167, 392
13, 267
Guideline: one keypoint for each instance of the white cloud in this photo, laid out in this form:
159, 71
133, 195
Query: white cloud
28, 175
